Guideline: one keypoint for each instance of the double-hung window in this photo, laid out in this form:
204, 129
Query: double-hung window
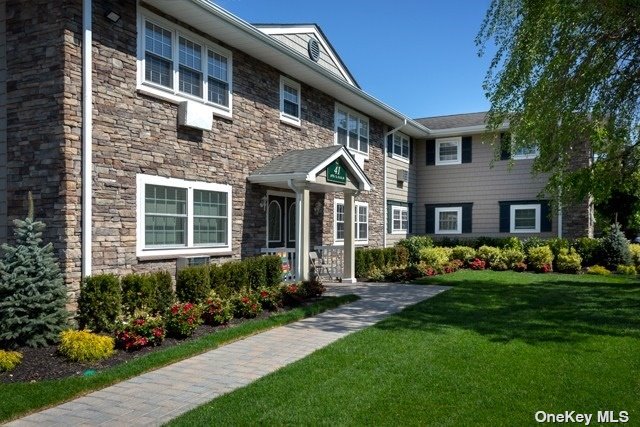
524, 153
361, 221
400, 146
177, 217
352, 130
289, 101
525, 218
449, 151
177, 65
399, 219
448, 220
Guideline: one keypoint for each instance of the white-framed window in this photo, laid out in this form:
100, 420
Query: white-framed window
361, 221
448, 220
525, 218
525, 153
352, 130
400, 147
399, 219
290, 96
449, 151
177, 217
177, 65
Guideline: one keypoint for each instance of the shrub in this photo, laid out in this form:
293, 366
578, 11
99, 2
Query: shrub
33, 295
164, 296
627, 270
557, 244
390, 257
489, 254
139, 330
588, 249
99, 303
377, 258
246, 305
273, 270
452, 266
568, 261
216, 311
402, 255
362, 263
463, 253
635, 253
540, 258
230, 277
183, 319
488, 241
598, 270
512, 256
519, 267
291, 294
615, 248
413, 245
84, 346
512, 243
435, 257
313, 288
376, 274
256, 273
9, 360
138, 292
270, 298
532, 242
477, 264
193, 284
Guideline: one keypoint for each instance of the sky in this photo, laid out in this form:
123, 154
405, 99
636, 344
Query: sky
417, 56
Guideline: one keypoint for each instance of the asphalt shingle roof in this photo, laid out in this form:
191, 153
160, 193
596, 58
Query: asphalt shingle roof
454, 120
297, 161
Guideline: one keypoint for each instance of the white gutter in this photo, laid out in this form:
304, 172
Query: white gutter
464, 130
384, 174
87, 125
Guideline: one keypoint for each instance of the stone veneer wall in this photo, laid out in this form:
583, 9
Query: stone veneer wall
3, 123
135, 133
578, 218
43, 121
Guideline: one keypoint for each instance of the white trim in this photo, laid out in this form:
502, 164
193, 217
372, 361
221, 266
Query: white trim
284, 117
458, 210
173, 94
360, 242
359, 116
353, 166
512, 218
190, 248
400, 157
400, 209
529, 156
87, 140
458, 141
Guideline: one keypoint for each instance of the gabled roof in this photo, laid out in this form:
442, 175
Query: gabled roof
305, 165
454, 120
296, 36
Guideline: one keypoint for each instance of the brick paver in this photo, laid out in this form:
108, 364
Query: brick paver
158, 396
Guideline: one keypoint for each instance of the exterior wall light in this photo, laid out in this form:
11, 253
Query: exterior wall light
113, 16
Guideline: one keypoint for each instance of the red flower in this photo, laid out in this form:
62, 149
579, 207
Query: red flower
175, 309
245, 300
264, 294
139, 322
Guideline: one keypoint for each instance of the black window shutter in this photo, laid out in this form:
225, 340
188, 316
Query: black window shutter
410, 209
466, 149
390, 145
505, 146
430, 219
467, 221
389, 217
431, 152
505, 220
545, 216
410, 150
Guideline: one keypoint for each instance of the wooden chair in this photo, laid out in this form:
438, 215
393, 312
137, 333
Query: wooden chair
318, 265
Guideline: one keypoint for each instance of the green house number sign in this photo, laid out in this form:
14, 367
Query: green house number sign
336, 173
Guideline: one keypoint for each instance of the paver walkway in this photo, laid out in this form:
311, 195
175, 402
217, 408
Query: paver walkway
158, 396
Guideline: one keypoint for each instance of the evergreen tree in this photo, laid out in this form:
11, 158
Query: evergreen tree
615, 248
32, 291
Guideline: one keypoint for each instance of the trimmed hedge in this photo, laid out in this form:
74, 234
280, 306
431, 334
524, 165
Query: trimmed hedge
378, 259
100, 302
193, 283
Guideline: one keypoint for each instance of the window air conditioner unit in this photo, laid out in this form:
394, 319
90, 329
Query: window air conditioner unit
184, 262
403, 175
195, 115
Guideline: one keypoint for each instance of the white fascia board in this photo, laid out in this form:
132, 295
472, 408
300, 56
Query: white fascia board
464, 130
205, 16
276, 178
353, 166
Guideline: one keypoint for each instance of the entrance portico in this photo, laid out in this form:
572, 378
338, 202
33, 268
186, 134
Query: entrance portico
317, 170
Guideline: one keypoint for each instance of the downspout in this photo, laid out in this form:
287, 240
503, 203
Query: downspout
384, 174
560, 213
87, 125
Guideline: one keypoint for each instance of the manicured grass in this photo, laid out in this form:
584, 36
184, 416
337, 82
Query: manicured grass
491, 351
20, 398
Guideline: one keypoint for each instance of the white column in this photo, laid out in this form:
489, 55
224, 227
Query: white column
349, 276
302, 234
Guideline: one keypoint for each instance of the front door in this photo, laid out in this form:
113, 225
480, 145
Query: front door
281, 222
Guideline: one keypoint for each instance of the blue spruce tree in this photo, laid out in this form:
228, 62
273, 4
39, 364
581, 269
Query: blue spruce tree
32, 291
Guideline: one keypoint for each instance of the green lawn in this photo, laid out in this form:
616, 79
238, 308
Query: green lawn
20, 398
491, 351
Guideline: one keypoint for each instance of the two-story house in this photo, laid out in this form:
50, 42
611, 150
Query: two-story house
156, 130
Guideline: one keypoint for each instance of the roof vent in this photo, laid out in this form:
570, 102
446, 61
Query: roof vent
314, 49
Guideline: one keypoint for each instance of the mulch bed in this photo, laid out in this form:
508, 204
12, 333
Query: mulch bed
45, 363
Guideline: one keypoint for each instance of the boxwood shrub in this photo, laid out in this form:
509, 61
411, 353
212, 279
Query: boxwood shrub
100, 301
193, 283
